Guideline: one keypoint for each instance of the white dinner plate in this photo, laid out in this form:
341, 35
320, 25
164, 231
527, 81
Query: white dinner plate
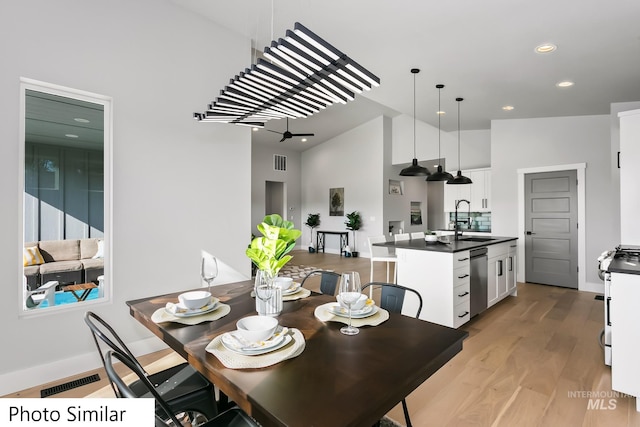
338, 310
295, 287
183, 311
272, 344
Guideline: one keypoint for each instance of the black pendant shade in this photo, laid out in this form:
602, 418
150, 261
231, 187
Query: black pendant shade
459, 179
440, 175
415, 169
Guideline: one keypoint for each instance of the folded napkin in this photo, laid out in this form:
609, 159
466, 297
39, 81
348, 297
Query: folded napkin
234, 360
323, 313
163, 315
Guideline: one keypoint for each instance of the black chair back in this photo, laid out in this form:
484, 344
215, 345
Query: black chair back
392, 296
103, 332
233, 417
328, 281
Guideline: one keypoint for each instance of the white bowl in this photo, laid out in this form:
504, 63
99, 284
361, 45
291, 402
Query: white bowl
431, 238
256, 328
358, 305
195, 299
283, 283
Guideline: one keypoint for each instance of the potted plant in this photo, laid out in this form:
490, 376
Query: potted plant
353, 223
313, 220
269, 252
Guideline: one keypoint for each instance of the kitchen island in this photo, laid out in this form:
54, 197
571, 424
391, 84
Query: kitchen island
442, 274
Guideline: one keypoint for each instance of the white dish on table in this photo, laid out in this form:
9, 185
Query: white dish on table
234, 342
180, 310
295, 287
195, 299
338, 310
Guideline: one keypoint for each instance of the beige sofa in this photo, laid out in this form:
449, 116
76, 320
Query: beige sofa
66, 261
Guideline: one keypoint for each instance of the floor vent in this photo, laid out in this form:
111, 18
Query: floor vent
69, 386
600, 297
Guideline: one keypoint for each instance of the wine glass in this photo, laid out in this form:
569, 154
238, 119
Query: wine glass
350, 291
209, 269
264, 290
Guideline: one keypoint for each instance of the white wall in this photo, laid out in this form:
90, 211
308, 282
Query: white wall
529, 143
172, 192
475, 145
354, 161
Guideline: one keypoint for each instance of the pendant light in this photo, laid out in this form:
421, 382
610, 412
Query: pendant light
459, 179
440, 175
415, 169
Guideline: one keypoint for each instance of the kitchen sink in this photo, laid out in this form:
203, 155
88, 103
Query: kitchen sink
476, 239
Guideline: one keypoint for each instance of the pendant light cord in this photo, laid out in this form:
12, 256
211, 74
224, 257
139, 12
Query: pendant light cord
439, 132
414, 115
458, 132
459, 100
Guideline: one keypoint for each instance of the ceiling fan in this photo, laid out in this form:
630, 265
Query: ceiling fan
286, 134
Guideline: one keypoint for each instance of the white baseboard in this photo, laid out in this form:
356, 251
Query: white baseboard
593, 287
15, 381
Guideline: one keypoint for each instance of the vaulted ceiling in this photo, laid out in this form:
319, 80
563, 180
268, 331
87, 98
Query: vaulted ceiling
482, 51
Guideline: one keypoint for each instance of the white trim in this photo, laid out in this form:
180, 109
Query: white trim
107, 103
582, 263
15, 381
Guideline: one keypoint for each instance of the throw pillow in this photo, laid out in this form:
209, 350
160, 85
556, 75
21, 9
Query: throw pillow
100, 252
32, 256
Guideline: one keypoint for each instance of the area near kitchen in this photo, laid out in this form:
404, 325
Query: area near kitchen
457, 278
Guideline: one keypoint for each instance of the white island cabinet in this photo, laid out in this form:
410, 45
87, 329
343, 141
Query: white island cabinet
442, 279
501, 271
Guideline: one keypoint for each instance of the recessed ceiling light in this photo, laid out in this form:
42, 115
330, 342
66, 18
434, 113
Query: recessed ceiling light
565, 83
441, 113
546, 48
304, 140
70, 135
508, 107
81, 120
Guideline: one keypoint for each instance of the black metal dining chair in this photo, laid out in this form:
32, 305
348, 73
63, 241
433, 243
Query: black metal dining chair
392, 299
183, 388
234, 417
328, 280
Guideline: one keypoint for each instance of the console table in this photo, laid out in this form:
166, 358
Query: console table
344, 239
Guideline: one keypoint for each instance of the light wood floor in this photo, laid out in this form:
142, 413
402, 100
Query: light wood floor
531, 360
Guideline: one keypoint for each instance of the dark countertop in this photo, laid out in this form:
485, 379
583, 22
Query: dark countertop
621, 265
454, 246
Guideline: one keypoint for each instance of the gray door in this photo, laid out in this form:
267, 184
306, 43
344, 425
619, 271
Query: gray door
551, 228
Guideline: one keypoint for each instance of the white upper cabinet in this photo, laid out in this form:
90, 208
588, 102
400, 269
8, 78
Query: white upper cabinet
629, 161
480, 190
453, 193
478, 193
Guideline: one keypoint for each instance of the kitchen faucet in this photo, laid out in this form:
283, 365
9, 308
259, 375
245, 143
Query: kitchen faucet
457, 226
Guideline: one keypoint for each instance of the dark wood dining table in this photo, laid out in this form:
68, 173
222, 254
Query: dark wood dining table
338, 380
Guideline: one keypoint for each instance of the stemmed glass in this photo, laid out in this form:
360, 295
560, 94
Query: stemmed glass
350, 291
209, 269
264, 290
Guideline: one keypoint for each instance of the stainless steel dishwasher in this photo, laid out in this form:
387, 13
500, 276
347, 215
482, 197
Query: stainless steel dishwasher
478, 280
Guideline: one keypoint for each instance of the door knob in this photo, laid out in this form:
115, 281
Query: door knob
529, 233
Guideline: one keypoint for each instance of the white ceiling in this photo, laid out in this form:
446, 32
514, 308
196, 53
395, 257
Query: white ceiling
482, 51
